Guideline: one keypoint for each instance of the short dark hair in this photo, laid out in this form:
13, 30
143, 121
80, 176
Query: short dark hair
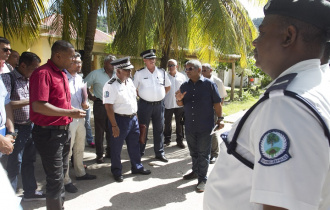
4, 40
28, 58
60, 46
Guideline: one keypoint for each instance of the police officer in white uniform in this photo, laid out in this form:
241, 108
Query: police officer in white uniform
152, 84
119, 98
284, 142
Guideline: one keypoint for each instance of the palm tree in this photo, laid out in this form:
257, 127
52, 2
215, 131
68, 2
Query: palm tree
21, 18
205, 28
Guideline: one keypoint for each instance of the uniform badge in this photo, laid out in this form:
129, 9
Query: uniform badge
274, 148
106, 94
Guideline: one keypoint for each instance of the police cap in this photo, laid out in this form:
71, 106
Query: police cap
122, 63
148, 54
315, 12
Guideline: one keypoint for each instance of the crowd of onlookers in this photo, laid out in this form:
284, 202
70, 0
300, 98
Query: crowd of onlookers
48, 111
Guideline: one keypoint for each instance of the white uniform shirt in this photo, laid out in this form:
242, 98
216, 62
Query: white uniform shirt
326, 70
176, 82
300, 183
151, 86
76, 85
121, 95
221, 87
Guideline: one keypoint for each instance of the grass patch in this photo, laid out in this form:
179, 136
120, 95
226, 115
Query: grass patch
247, 100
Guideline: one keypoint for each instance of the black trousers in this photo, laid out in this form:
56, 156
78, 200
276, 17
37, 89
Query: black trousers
178, 113
102, 125
53, 147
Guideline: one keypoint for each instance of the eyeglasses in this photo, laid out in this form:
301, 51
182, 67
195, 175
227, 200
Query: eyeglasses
171, 65
6, 49
77, 62
189, 69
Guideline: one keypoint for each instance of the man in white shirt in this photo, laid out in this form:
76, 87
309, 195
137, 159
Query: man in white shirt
284, 141
77, 130
171, 107
207, 72
152, 84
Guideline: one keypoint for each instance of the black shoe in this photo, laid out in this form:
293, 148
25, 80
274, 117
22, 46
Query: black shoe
70, 188
181, 145
167, 143
119, 178
86, 177
99, 160
212, 160
142, 171
37, 196
162, 158
190, 176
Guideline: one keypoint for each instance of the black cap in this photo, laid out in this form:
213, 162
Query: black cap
148, 54
315, 12
122, 63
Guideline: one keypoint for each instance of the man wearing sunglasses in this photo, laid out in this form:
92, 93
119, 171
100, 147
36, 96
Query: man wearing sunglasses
171, 107
199, 97
5, 51
152, 84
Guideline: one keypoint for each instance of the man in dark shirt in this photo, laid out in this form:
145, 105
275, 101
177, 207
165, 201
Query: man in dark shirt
199, 96
51, 113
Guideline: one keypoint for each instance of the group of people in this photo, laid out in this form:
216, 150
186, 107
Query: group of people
275, 157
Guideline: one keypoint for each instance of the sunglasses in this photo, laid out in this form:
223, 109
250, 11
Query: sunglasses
6, 49
189, 69
171, 65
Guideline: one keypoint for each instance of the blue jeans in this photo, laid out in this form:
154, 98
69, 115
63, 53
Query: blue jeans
22, 160
156, 113
89, 135
199, 145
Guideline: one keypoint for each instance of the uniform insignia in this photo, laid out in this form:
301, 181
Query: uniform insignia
274, 148
140, 69
112, 80
106, 94
118, 80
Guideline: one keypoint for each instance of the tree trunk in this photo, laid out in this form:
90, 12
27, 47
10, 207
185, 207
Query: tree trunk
241, 84
232, 82
89, 37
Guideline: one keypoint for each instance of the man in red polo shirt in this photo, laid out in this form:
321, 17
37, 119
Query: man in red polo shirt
51, 113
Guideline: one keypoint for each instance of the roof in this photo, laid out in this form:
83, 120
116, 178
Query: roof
50, 21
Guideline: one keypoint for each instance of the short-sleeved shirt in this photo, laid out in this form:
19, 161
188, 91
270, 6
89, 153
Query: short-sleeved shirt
97, 78
122, 95
151, 86
176, 81
4, 99
198, 104
48, 83
299, 179
20, 92
221, 87
76, 85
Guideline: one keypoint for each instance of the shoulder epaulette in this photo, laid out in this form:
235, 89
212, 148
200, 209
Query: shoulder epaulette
161, 69
112, 80
140, 69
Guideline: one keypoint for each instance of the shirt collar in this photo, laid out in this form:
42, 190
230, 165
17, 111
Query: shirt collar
52, 65
201, 78
18, 75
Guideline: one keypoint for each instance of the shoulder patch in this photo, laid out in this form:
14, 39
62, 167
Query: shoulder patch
140, 69
112, 81
106, 94
274, 148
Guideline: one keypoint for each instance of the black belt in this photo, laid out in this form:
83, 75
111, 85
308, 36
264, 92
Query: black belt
55, 127
151, 102
125, 115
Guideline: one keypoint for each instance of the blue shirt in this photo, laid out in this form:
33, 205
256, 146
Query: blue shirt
4, 99
198, 104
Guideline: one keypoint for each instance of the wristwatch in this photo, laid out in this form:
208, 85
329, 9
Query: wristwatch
221, 118
12, 133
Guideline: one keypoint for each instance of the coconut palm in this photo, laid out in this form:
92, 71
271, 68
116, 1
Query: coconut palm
207, 29
21, 18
